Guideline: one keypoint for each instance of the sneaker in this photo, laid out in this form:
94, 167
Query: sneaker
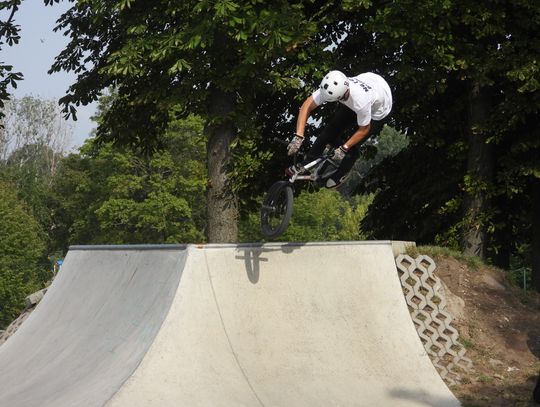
291, 171
332, 183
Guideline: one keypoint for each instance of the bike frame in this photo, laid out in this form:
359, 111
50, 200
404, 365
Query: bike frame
307, 177
277, 206
312, 176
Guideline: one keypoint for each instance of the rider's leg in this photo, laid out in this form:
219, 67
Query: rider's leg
333, 131
348, 162
343, 171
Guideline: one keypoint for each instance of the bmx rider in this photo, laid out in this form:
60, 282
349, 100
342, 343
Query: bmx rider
364, 100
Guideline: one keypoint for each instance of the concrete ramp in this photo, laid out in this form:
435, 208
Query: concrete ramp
273, 325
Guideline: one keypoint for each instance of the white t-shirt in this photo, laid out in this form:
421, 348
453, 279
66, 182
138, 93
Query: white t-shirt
370, 98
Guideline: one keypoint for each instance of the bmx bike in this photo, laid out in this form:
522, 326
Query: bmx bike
277, 206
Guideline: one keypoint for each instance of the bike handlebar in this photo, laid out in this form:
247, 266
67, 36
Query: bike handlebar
329, 154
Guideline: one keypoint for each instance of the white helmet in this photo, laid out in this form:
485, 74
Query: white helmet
334, 86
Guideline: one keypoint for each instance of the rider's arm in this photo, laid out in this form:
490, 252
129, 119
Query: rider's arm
358, 136
305, 110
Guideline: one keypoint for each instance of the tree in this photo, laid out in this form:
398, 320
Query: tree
22, 269
212, 58
465, 76
536, 235
387, 143
413, 200
318, 216
38, 122
35, 137
113, 195
9, 34
147, 200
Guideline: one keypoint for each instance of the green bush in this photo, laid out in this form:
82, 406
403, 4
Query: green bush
21, 252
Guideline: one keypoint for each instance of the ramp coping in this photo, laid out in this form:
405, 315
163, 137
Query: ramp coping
130, 247
230, 245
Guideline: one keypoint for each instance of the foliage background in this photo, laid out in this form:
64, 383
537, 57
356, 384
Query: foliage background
23, 268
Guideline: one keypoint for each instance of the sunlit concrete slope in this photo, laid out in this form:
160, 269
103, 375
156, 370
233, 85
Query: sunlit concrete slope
289, 326
92, 329
276, 325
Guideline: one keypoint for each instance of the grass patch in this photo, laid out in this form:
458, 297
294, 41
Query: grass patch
473, 262
485, 379
465, 380
467, 344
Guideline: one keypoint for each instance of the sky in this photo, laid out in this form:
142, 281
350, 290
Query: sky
35, 54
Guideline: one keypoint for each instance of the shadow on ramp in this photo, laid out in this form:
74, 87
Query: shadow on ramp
253, 255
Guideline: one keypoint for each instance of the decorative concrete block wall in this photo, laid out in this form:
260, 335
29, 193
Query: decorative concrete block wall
433, 323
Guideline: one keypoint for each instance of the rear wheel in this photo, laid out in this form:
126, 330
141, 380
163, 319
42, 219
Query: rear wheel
276, 210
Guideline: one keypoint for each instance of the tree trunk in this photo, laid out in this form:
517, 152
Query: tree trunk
480, 171
222, 206
500, 241
535, 249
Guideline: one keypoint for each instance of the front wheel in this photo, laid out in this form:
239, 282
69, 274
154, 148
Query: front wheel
276, 210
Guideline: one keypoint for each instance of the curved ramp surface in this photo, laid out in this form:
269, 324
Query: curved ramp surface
272, 325
92, 328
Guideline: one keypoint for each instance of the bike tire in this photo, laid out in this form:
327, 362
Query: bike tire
276, 209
